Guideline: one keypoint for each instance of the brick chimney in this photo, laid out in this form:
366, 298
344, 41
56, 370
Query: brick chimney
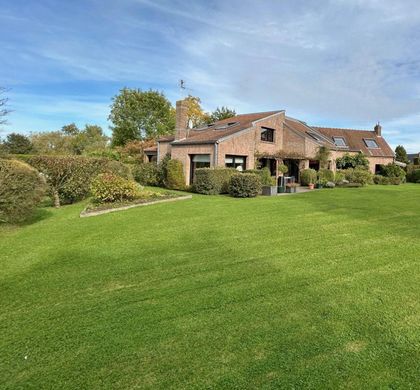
378, 130
181, 121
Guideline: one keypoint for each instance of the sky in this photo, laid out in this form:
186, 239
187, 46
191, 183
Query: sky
330, 63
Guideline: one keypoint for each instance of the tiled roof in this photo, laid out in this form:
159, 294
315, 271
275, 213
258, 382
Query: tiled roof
222, 128
308, 132
355, 141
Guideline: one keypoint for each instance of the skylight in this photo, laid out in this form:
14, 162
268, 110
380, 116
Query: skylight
340, 142
371, 143
314, 136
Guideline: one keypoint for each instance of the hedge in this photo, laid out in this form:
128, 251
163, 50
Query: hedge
264, 174
245, 185
213, 181
21, 190
358, 175
108, 187
414, 176
146, 174
175, 179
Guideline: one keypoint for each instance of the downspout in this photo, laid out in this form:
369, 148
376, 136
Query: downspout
158, 153
216, 152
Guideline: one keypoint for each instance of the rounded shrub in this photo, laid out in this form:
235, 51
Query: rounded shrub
108, 187
326, 175
175, 179
146, 174
21, 190
282, 168
307, 176
245, 185
359, 175
393, 171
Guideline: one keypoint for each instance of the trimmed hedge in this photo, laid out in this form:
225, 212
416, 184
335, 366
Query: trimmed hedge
307, 176
213, 181
175, 179
245, 185
108, 187
21, 190
414, 176
264, 174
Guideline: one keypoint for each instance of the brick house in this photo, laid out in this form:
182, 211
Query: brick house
264, 139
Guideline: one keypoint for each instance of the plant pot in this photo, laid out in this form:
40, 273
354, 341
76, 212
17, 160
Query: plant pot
281, 189
290, 190
311, 186
319, 186
269, 190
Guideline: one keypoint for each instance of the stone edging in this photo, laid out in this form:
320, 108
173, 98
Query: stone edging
85, 213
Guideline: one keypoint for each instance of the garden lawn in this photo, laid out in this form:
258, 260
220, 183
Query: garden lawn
318, 290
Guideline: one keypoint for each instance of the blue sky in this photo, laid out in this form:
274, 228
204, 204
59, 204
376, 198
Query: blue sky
335, 63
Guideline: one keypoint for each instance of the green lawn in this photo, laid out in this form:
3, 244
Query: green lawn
318, 290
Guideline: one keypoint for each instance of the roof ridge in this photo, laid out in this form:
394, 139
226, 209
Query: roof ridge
341, 128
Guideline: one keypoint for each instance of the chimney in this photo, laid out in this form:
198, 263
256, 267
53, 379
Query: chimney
181, 121
378, 130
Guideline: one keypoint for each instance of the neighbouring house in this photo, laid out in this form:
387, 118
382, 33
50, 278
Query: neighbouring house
413, 156
264, 139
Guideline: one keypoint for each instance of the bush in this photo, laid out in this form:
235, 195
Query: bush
146, 174
339, 177
213, 181
393, 170
282, 168
325, 175
244, 185
163, 170
69, 177
21, 190
358, 175
414, 176
108, 187
264, 174
175, 179
352, 161
307, 176
381, 180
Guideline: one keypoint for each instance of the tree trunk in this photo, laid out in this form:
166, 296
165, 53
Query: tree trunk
56, 199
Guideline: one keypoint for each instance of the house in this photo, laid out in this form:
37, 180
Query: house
265, 139
414, 157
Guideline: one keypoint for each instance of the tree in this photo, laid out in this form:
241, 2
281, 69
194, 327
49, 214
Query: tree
51, 142
195, 113
401, 154
140, 115
17, 144
3, 110
221, 113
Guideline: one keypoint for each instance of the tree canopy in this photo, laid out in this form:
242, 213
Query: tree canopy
401, 154
140, 115
17, 144
221, 113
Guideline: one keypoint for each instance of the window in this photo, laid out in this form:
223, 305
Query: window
267, 134
314, 136
198, 161
340, 142
237, 162
371, 143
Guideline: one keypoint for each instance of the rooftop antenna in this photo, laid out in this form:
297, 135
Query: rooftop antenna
183, 87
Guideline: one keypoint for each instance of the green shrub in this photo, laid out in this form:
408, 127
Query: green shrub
21, 190
339, 177
69, 177
146, 174
264, 174
325, 175
245, 185
175, 179
381, 180
108, 187
414, 176
359, 175
393, 170
163, 170
282, 168
307, 176
352, 161
213, 181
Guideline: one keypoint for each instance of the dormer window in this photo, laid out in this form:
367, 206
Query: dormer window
371, 143
340, 142
267, 134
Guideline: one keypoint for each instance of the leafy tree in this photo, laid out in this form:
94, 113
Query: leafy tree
401, 154
221, 113
70, 129
52, 142
17, 144
352, 161
196, 114
140, 115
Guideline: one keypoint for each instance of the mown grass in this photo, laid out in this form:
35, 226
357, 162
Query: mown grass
318, 290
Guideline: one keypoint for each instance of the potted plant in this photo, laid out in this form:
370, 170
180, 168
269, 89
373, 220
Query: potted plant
311, 186
270, 190
282, 169
291, 187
